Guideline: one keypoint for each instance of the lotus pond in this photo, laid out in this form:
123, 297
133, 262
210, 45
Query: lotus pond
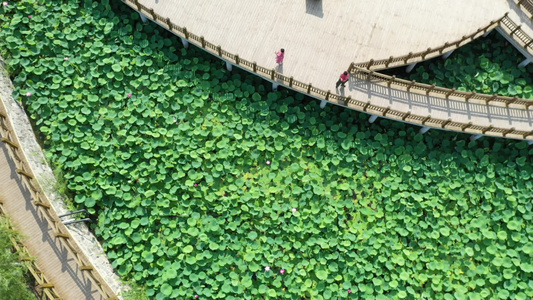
206, 184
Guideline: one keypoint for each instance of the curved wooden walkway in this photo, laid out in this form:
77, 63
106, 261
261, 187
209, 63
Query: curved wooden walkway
324, 38
54, 260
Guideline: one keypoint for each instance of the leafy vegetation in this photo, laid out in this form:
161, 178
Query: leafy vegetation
487, 65
13, 275
206, 184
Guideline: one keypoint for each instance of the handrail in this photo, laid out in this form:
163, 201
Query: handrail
516, 33
42, 203
308, 89
47, 289
429, 53
437, 90
526, 6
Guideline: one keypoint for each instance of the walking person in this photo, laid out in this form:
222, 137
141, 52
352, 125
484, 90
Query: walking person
280, 55
342, 79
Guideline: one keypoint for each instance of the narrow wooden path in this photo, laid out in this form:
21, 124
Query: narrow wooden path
323, 38
53, 258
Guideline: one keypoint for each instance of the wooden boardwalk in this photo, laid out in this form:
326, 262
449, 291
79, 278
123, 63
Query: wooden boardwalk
53, 259
322, 39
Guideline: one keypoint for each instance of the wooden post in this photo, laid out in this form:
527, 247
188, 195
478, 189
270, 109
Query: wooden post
347, 100
327, 94
370, 63
272, 74
487, 129
169, 24
426, 53
508, 131
408, 57
309, 89
290, 81
470, 96
254, 66
411, 85
389, 61
219, 50
449, 93
237, 60
465, 126
202, 41
392, 79
430, 89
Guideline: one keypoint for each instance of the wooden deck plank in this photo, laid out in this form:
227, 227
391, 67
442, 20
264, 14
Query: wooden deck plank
52, 257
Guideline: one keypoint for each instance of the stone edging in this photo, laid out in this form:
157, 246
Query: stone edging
44, 174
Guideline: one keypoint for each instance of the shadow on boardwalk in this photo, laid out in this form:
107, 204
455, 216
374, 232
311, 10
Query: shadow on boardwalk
52, 256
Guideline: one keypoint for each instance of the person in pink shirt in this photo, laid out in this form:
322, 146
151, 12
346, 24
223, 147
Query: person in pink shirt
343, 79
280, 55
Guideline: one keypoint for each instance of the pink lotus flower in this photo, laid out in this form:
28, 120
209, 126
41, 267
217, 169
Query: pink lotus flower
29, 16
196, 184
129, 95
349, 291
267, 268
28, 94
268, 162
66, 58
294, 209
4, 3
196, 296
282, 271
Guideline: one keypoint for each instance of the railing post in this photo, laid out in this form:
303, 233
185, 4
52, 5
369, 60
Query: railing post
449, 93
446, 123
347, 100
470, 96
408, 57
391, 80
430, 89
369, 75
237, 60
491, 98
309, 89
426, 53
202, 41
350, 68
185, 32
153, 14
272, 74
290, 81
487, 129
425, 120
508, 131
219, 51
411, 85
443, 47
327, 94
254, 66
389, 61
407, 114
466, 126
137, 4
370, 63
169, 24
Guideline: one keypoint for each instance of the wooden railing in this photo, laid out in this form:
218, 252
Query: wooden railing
45, 289
433, 90
504, 22
516, 33
429, 53
42, 203
526, 6
308, 89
